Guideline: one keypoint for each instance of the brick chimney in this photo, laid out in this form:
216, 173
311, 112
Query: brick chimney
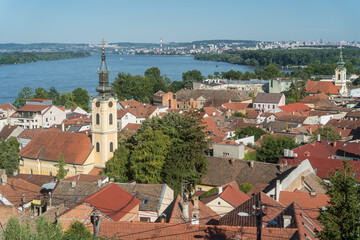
3, 177
252, 164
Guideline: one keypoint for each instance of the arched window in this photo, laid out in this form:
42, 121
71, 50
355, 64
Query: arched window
339, 76
111, 146
97, 118
97, 147
110, 119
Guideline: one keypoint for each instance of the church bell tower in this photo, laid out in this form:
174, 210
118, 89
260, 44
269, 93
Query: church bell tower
340, 76
104, 125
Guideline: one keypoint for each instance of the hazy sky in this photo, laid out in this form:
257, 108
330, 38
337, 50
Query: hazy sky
87, 21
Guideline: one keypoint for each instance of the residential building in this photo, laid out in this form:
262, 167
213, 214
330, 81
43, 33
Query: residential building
279, 85
10, 131
109, 204
229, 149
165, 99
38, 113
266, 102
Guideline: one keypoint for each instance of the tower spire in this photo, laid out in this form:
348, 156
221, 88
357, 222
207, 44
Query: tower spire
103, 89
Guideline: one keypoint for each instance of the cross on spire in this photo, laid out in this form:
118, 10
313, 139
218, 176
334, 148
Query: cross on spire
103, 44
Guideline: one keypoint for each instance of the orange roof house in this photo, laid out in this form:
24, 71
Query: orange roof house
295, 107
111, 204
314, 87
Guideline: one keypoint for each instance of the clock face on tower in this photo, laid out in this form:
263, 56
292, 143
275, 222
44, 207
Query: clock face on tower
110, 104
97, 104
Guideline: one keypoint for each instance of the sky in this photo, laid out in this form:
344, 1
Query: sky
88, 21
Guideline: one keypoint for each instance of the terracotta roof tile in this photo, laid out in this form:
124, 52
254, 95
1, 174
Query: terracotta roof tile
314, 87
95, 172
7, 131
294, 107
35, 179
7, 106
75, 147
132, 127
33, 108
236, 106
85, 178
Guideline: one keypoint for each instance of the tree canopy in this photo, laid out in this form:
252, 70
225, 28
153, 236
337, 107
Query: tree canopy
272, 147
341, 217
249, 131
9, 155
61, 172
164, 150
326, 133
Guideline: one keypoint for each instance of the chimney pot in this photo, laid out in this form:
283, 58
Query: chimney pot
220, 190
99, 183
73, 184
287, 220
313, 194
252, 164
185, 206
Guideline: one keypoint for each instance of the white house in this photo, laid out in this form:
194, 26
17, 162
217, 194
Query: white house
268, 101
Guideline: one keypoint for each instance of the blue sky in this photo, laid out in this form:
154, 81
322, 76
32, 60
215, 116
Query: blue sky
80, 21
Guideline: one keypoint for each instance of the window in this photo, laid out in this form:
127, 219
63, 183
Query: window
110, 119
97, 118
273, 106
97, 147
144, 219
46, 119
219, 203
111, 146
145, 201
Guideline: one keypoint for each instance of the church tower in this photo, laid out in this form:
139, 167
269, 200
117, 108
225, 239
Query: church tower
340, 76
104, 126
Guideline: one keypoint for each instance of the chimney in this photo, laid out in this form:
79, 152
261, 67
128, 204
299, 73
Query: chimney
318, 138
310, 130
15, 173
185, 207
232, 161
313, 194
112, 179
196, 202
195, 217
63, 127
73, 184
334, 144
287, 221
281, 167
277, 190
220, 190
252, 164
163, 218
3, 177
99, 183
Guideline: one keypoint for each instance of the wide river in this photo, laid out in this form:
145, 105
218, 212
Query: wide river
66, 75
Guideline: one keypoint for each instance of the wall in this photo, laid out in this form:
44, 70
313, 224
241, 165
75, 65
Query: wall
53, 116
167, 197
229, 151
220, 206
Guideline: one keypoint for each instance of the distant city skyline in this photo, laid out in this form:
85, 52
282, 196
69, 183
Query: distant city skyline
181, 21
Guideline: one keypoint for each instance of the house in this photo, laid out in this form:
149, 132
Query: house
286, 217
229, 149
68, 193
295, 107
233, 107
226, 199
10, 131
38, 180
212, 111
155, 198
352, 116
6, 110
279, 85
268, 101
87, 178
135, 114
124, 118
38, 113
17, 192
186, 231
224, 170
299, 119
41, 155
131, 127
193, 211
27, 135
128, 103
165, 99
110, 204
327, 87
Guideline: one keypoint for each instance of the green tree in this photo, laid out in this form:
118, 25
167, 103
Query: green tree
271, 71
81, 98
326, 133
15, 231
356, 82
54, 95
272, 147
25, 94
61, 172
249, 131
66, 99
78, 231
117, 167
41, 93
148, 156
45, 229
9, 155
239, 114
191, 76
341, 217
245, 188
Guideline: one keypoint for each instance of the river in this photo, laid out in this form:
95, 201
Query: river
68, 74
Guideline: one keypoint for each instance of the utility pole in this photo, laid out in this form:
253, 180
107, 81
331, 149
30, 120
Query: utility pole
259, 215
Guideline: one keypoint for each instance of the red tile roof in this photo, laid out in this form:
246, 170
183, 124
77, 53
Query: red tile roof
7, 131
85, 178
305, 201
294, 107
7, 106
236, 106
313, 87
113, 201
75, 147
95, 172
38, 100
130, 103
229, 142
187, 231
233, 195
14, 189
211, 111
210, 126
132, 127
33, 108
30, 133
